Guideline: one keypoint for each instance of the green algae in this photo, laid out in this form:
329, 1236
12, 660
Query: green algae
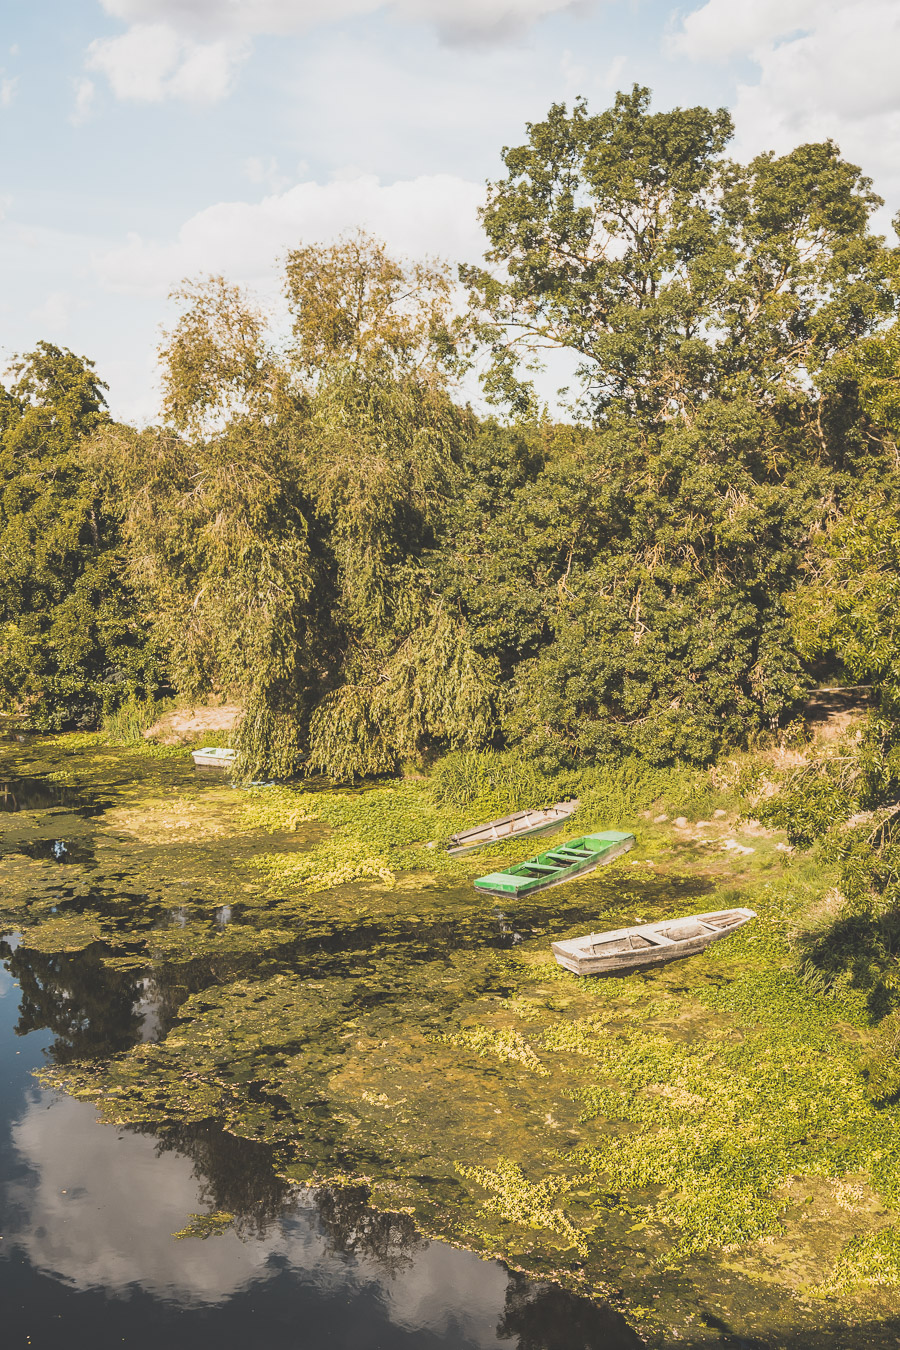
371, 1019
504, 1043
525, 1203
206, 1225
64, 933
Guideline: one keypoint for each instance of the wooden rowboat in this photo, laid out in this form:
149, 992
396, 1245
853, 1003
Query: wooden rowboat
213, 757
558, 864
541, 821
649, 944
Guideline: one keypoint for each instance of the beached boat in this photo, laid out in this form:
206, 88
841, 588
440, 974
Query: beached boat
557, 864
648, 944
517, 826
213, 757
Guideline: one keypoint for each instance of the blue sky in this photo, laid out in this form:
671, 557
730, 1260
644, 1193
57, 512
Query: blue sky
147, 140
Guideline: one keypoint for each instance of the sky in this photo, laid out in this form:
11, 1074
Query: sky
145, 141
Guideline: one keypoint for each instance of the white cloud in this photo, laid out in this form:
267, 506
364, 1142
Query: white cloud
266, 173
434, 214
53, 315
456, 19
85, 91
721, 28
828, 69
153, 61
192, 48
8, 91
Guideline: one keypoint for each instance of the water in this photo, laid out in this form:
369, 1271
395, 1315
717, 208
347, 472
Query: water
328, 1030
89, 1212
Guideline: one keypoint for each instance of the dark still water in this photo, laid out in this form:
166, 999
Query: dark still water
88, 1257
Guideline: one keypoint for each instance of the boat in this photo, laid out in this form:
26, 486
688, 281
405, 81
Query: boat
557, 864
648, 944
543, 820
213, 757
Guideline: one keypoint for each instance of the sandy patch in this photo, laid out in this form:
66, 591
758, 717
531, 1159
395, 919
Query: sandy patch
184, 724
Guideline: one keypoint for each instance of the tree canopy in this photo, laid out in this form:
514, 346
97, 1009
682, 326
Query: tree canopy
322, 529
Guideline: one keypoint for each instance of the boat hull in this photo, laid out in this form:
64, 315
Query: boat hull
547, 869
533, 824
625, 951
211, 757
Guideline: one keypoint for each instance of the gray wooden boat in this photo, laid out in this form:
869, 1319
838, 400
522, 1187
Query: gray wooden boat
648, 944
542, 820
213, 757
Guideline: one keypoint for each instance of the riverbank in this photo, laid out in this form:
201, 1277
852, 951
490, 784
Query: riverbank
694, 1144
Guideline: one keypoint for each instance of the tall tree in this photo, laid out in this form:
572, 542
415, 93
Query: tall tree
709, 303
72, 644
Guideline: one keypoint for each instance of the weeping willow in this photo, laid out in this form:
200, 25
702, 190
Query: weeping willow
433, 689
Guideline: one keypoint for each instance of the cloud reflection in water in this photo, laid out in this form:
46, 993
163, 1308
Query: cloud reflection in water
98, 1206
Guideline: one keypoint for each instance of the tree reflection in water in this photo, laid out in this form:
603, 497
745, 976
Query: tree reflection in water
546, 1317
89, 1009
354, 1228
236, 1176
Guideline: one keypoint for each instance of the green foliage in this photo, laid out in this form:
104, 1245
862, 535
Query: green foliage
321, 532
72, 643
624, 234
868, 1259
622, 788
350, 302
127, 723
489, 781
851, 604
812, 800
883, 1064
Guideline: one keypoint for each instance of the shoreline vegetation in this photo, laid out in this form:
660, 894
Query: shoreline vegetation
703, 1139
675, 601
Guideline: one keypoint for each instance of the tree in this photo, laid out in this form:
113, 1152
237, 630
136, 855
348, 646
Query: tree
353, 304
276, 525
711, 303
72, 645
676, 275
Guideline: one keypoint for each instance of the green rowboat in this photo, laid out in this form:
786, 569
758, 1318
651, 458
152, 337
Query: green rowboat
558, 864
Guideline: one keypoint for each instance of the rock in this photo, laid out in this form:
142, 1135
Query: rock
703, 825
658, 820
732, 846
720, 814
681, 822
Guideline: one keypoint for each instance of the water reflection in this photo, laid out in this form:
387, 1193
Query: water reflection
88, 1008
41, 794
88, 1215
57, 850
96, 1208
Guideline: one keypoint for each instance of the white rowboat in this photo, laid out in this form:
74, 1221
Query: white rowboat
213, 757
541, 820
649, 944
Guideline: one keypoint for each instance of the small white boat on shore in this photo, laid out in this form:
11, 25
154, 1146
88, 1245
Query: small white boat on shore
541, 820
213, 757
648, 944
